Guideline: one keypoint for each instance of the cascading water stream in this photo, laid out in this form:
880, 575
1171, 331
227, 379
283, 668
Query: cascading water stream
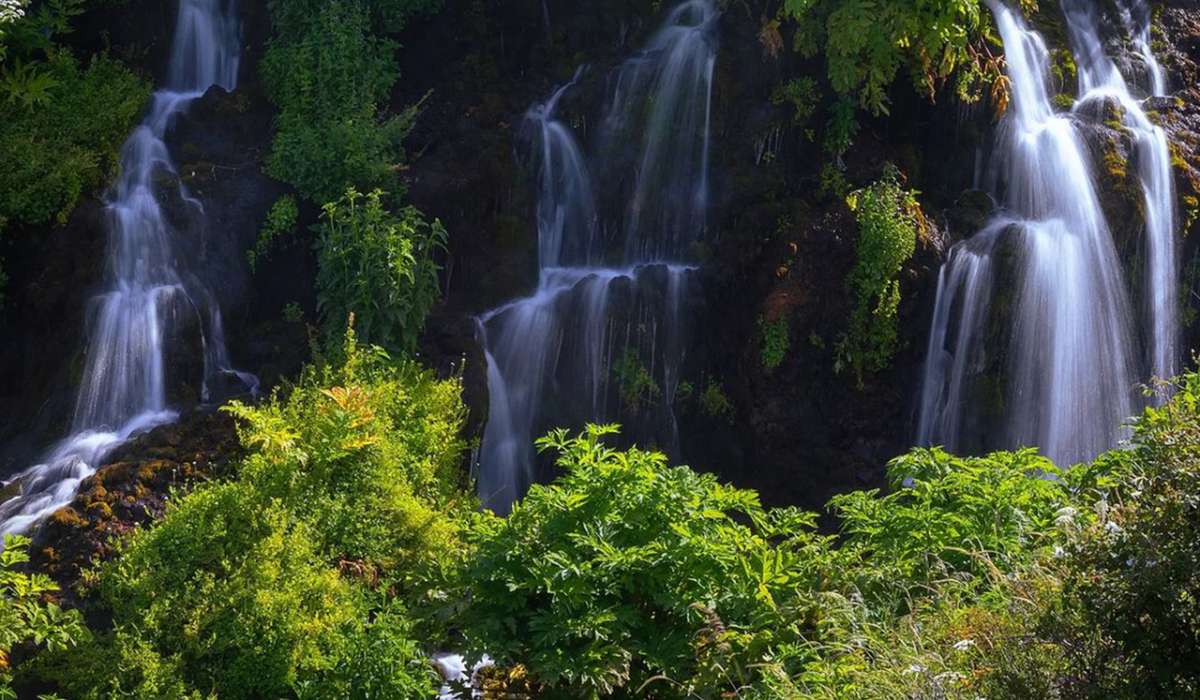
123, 390
550, 355
1033, 339
1100, 82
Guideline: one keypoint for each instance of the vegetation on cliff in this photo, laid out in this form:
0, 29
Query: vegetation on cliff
62, 118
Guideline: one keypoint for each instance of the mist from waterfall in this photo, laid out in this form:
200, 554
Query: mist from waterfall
123, 389
1034, 340
551, 355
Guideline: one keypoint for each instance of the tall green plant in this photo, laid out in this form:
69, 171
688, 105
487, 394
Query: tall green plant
889, 222
378, 267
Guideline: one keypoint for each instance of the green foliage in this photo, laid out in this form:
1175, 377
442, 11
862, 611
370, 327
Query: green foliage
774, 341
949, 516
889, 222
841, 128
330, 71
25, 616
62, 121
803, 96
625, 576
634, 382
715, 403
294, 580
280, 221
61, 127
867, 43
378, 266
1133, 575
369, 449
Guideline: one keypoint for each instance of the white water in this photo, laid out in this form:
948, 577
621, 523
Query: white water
550, 355
123, 388
1045, 272
1099, 82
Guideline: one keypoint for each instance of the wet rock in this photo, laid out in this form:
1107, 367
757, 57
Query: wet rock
970, 212
132, 490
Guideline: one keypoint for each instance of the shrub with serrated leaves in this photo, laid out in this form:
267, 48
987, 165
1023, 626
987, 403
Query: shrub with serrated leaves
628, 577
368, 447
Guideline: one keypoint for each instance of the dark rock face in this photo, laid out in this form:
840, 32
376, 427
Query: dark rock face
774, 247
1179, 115
52, 274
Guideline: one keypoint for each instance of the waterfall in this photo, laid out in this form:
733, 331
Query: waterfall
1099, 82
123, 390
1033, 341
551, 355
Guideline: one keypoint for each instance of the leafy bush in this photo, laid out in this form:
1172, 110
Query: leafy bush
378, 266
867, 43
1132, 577
293, 581
626, 575
950, 516
25, 616
368, 448
889, 221
68, 142
62, 121
330, 71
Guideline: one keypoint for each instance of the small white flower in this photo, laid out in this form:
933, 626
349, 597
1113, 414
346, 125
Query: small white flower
1059, 552
914, 669
1111, 528
964, 644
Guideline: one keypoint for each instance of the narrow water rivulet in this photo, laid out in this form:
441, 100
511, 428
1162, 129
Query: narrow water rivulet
551, 356
146, 294
1035, 340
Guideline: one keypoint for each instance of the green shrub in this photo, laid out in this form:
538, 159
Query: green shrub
951, 516
25, 616
330, 72
368, 448
625, 576
889, 222
715, 403
773, 342
1132, 578
68, 143
378, 266
230, 588
294, 580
